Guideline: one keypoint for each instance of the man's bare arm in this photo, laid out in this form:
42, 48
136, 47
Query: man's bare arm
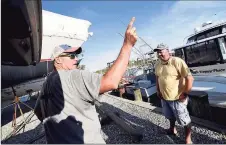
113, 76
185, 72
188, 83
157, 84
157, 88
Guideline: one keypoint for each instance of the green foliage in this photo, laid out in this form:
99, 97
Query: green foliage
132, 63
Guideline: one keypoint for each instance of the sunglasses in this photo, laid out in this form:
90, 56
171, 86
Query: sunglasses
71, 55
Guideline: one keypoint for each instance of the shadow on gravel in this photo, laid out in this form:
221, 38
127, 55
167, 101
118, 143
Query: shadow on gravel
114, 134
27, 137
197, 137
152, 133
7, 113
211, 138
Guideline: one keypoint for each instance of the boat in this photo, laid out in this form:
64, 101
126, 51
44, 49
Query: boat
205, 50
26, 76
143, 79
214, 86
205, 55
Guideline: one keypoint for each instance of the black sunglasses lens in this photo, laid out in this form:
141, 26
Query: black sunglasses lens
72, 56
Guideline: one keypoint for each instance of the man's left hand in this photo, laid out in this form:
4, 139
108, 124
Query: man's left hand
182, 97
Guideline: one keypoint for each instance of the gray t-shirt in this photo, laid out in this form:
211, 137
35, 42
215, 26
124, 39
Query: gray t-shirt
70, 114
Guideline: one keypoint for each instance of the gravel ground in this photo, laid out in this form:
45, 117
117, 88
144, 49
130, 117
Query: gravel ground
32, 129
152, 124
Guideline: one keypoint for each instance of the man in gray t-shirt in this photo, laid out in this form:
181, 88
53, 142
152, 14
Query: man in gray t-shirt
66, 104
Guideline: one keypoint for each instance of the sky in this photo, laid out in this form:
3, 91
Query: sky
156, 22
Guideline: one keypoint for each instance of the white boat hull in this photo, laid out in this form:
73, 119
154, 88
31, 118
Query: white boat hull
214, 86
59, 29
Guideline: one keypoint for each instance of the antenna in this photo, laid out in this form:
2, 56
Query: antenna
139, 53
138, 36
145, 42
143, 56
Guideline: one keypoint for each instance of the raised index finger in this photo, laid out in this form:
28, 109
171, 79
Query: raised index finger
131, 23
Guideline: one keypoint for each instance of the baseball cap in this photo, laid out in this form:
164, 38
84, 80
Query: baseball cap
65, 48
161, 46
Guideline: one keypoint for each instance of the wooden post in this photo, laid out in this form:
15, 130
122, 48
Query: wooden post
137, 95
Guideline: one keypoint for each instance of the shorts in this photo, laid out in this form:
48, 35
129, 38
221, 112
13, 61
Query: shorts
176, 110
